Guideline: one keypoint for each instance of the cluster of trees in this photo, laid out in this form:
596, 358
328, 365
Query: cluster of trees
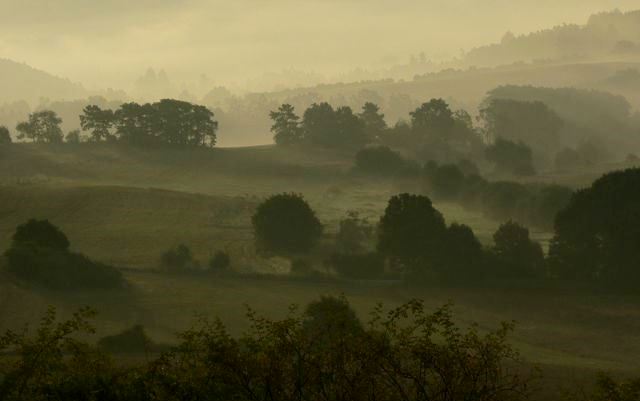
322, 353
531, 204
168, 121
180, 259
40, 254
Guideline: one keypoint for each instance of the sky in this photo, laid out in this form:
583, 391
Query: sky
108, 43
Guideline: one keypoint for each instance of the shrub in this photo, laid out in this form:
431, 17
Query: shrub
353, 234
40, 253
379, 160
220, 261
285, 224
516, 253
178, 259
300, 266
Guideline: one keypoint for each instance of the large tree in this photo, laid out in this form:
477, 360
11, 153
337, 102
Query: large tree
516, 252
433, 118
597, 236
42, 127
411, 232
285, 224
99, 122
373, 120
286, 125
337, 128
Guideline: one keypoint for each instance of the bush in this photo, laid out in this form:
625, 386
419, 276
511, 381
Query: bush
379, 160
178, 259
353, 234
301, 266
40, 253
285, 224
367, 266
5, 136
511, 157
220, 261
463, 260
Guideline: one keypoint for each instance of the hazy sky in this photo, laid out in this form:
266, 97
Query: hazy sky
110, 42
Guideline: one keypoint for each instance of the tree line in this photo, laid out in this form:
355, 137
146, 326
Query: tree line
169, 122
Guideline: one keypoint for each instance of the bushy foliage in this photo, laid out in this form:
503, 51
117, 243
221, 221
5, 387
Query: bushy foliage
39, 253
515, 252
338, 128
511, 157
42, 127
221, 261
410, 232
178, 259
379, 160
168, 121
284, 224
597, 235
353, 234
462, 257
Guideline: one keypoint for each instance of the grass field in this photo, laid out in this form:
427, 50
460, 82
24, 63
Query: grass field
126, 206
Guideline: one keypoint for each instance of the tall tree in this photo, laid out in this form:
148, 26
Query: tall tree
42, 127
433, 118
286, 125
99, 122
373, 120
5, 136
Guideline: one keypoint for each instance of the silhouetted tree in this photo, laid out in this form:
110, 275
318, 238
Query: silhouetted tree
411, 232
374, 123
5, 136
286, 125
40, 234
597, 236
285, 223
338, 128
99, 122
178, 259
462, 256
518, 255
434, 118
42, 127
511, 157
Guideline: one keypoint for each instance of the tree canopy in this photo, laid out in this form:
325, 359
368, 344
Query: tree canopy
41, 127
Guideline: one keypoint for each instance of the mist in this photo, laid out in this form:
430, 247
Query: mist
235, 43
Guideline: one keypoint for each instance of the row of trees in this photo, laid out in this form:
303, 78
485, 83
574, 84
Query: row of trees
168, 121
596, 237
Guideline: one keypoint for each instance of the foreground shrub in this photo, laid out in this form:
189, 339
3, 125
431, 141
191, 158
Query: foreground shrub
324, 353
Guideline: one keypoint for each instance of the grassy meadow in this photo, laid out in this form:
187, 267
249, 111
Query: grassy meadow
125, 206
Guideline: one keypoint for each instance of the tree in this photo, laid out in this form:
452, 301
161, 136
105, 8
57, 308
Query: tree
434, 118
220, 261
379, 160
353, 234
40, 234
462, 259
374, 123
516, 252
5, 136
286, 125
39, 253
73, 137
182, 123
284, 224
41, 127
533, 123
99, 122
445, 182
411, 232
178, 259
324, 126
511, 157
597, 235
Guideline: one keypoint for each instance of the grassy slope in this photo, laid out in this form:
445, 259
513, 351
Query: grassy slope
100, 196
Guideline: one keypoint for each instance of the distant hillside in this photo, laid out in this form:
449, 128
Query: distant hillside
22, 82
611, 35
